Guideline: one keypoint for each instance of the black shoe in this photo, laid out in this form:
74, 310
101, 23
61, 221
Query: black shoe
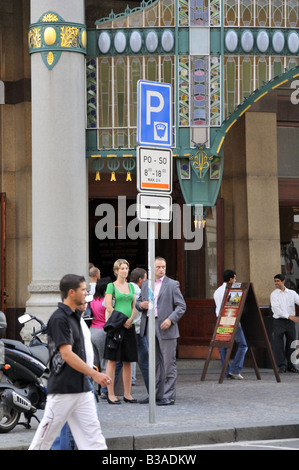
127, 400
116, 402
292, 369
282, 370
164, 402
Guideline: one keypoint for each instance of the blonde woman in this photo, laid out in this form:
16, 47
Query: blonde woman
127, 350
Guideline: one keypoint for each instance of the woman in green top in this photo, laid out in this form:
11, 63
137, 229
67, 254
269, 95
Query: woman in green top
127, 351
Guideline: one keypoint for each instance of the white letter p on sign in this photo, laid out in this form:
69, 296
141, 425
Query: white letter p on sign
150, 108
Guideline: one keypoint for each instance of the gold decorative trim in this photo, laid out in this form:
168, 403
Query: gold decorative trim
34, 38
200, 161
50, 18
52, 35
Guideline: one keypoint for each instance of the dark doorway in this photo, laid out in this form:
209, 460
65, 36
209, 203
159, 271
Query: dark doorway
110, 237
115, 233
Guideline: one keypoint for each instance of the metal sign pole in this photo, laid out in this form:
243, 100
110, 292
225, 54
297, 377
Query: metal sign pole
151, 322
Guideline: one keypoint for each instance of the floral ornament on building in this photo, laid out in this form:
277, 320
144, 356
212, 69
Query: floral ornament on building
113, 166
129, 166
97, 166
51, 35
200, 162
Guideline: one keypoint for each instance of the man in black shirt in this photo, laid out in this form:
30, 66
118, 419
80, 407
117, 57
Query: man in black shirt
69, 395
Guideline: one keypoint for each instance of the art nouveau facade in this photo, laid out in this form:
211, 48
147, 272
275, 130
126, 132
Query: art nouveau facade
234, 69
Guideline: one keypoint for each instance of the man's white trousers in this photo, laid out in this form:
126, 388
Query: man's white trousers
79, 410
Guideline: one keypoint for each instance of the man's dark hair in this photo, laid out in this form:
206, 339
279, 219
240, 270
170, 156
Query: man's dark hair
70, 281
281, 277
136, 274
228, 274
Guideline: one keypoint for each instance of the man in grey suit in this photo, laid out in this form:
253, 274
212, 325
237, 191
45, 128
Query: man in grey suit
170, 306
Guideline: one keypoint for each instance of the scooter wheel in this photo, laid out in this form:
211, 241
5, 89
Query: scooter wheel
9, 418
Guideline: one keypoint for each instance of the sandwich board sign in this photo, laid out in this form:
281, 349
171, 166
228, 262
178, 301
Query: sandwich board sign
240, 305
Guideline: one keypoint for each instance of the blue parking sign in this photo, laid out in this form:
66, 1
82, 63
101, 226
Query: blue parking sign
154, 114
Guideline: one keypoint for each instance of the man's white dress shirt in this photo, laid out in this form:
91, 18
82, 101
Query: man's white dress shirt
218, 297
283, 303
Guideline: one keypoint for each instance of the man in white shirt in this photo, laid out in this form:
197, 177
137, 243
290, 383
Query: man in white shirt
233, 370
283, 302
94, 276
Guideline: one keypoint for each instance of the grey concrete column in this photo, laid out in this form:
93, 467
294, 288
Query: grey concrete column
59, 171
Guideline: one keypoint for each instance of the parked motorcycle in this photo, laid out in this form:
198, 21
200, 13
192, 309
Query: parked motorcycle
23, 376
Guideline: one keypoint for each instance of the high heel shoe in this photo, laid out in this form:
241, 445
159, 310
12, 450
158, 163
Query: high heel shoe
128, 400
111, 402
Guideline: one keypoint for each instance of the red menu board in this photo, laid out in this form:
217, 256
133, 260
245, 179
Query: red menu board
229, 315
240, 305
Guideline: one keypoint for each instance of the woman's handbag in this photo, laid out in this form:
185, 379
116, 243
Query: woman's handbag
113, 298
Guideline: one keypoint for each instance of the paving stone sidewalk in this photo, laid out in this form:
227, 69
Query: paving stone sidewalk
204, 412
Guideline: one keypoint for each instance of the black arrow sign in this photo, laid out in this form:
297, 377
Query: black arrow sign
159, 207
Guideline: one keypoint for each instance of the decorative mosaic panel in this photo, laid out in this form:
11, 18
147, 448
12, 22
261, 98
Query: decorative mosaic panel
199, 12
200, 79
91, 80
215, 10
184, 91
183, 13
215, 91
199, 91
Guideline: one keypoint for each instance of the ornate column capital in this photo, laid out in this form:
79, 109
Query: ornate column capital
51, 35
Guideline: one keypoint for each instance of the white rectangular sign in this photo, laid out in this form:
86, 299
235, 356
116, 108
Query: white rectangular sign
154, 170
154, 208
